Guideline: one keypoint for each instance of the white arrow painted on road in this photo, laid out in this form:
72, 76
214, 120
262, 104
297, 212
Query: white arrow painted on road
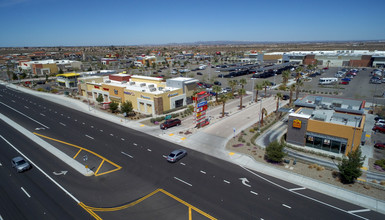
245, 181
37, 129
62, 172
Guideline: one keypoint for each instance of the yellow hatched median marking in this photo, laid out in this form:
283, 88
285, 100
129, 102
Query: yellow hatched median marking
190, 207
231, 153
91, 152
142, 125
171, 134
183, 138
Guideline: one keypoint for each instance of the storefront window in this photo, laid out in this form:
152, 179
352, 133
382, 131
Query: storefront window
317, 142
325, 144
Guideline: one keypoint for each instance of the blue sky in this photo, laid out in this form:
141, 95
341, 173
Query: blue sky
127, 22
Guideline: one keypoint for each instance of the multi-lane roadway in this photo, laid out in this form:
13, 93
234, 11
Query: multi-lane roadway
132, 178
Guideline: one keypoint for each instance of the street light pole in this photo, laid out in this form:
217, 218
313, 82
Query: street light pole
252, 91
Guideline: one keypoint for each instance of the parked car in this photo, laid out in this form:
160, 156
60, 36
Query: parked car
285, 97
380, 145
170, 123
176, 155
217, 83
199, 73
379, 128
20, 164
344, 82
378, 118
380, 122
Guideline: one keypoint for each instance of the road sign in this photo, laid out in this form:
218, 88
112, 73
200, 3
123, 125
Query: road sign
167, 117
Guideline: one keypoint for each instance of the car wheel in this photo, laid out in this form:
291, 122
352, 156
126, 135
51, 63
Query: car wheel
165, 128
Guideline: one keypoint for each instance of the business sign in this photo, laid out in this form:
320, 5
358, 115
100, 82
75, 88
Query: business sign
144, 97
199, 114
200, 104
203, 108
203, 96
129, 93
297, 123
173, 94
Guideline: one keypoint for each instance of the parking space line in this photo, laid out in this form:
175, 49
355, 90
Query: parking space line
294, 189
254, 193
203, 172
286, 206
226, 181
25, 192
360, 210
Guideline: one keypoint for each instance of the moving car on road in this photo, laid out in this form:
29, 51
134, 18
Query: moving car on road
380, 145
379, 128
176, 155
20, 164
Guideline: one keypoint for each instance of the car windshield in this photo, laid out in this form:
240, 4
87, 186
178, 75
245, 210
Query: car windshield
20, 162
171, 155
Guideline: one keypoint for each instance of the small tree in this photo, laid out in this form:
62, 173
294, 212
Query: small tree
350, 168
114, 106
100, 98
274, 152
126, 107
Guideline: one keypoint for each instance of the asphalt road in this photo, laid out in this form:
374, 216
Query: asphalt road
129, 165
31, 195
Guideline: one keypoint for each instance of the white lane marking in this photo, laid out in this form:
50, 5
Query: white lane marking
164, 156
135, 144
203, 172
42, 114
182, 181
76, 120
286, 206
226, 181
149, 150
83, 123
111, 134
26, 107
89, 137
127, 154
245, 181
294, 189
183, 164
101, 130
92, 126
360, 210
62, 124
1, 164
13, 100
25, 192
299, 194
122, 139
55, 112
254, 193
68, 117
25, 115
60, 114
35, 166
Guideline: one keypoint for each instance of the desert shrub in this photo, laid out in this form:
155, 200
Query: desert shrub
380, 163
274, 152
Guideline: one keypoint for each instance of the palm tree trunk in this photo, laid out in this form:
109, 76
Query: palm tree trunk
241, 102
256, 96
262, 119
277, 105
223, 110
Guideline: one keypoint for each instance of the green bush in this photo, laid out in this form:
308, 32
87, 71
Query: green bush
274, 152
380, 163
350, 168
40, 89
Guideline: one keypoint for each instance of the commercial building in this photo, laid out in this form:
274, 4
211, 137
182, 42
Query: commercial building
68, 80
148, 95
329, 124
48, 67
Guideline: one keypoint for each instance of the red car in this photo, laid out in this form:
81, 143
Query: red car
379, 128
344, 82
380, 145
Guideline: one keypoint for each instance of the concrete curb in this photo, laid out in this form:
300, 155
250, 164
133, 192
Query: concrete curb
60, 155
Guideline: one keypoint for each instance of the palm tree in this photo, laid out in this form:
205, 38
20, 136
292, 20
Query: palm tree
285, 76
278, 96
292, 88
298, 71
298, 84
223, 98
265, 84
243, 82
216, 89
241, 92
233, 84
263, 112
257, 87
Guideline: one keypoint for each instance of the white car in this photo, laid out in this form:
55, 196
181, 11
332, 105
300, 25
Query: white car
380, 122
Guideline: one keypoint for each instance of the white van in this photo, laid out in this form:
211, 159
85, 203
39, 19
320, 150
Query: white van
138, 64
328, 81
202, 67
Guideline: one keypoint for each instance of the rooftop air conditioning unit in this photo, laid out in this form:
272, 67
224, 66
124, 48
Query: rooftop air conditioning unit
160, 88
143, 90
152, 89
124, 82
132, 83
107, 81
142, 84
151, 86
